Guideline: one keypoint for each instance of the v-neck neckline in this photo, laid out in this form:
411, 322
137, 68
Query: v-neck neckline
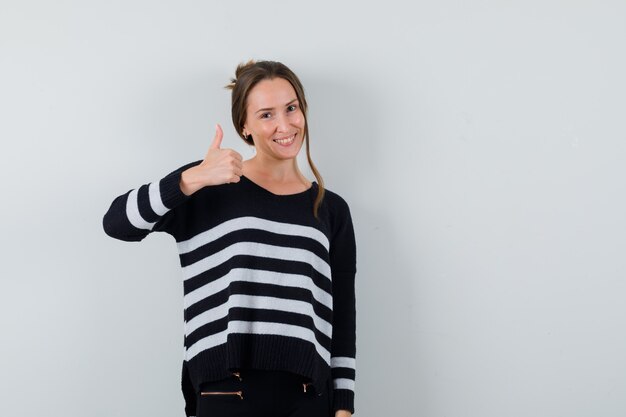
313, 184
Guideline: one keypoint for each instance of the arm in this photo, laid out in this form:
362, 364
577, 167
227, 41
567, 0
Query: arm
343, 346
147, 208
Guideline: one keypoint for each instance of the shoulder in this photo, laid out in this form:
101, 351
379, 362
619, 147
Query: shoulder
338, 210
335, 202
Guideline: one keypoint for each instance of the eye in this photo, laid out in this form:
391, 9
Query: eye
265, 114
294, 107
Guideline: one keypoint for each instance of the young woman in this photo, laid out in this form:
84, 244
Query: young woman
268, 261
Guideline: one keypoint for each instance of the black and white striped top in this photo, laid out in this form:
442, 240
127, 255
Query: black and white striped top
266, 284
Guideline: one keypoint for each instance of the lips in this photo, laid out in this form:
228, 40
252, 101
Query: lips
286, 141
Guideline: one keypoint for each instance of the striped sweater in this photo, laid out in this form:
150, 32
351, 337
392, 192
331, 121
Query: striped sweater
266, 285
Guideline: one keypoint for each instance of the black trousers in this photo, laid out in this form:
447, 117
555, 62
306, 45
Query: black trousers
263, 393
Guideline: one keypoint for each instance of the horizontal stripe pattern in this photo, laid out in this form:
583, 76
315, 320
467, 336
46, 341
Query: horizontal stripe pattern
259, 302
132, 212
343, 383
251, 222
155, 209
257, 292
255, 327
236, 285
258, 276
256, 249
154, 193
343, 362
345, 367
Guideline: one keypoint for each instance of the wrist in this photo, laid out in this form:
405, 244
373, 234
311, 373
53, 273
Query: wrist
189, 182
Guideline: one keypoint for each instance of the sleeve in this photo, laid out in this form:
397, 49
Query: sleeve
147, 208
189, 394
343, 345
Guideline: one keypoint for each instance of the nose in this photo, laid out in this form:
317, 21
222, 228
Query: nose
282, 123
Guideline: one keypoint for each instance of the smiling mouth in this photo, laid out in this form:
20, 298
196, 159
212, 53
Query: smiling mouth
287, 141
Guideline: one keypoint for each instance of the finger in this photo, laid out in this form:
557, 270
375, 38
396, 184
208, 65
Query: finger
237, 156
217, 140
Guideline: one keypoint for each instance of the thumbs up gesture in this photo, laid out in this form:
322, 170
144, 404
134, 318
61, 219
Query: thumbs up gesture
220, 166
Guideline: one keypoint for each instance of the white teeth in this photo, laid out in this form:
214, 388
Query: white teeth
285, 141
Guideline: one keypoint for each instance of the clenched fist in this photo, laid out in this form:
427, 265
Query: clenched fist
220, 166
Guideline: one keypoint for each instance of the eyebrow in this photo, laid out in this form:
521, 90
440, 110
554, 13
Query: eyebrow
271, 108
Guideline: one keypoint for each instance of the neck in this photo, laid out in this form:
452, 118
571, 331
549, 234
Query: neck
285, 170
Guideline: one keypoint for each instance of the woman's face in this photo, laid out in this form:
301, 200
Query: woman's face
273, 113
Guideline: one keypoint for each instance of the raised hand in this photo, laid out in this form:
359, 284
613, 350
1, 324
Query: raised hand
220, 166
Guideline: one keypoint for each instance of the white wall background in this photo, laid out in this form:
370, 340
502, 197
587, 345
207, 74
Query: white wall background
480, 145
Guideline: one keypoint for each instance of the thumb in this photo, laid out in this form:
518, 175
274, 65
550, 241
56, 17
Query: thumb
217, 140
